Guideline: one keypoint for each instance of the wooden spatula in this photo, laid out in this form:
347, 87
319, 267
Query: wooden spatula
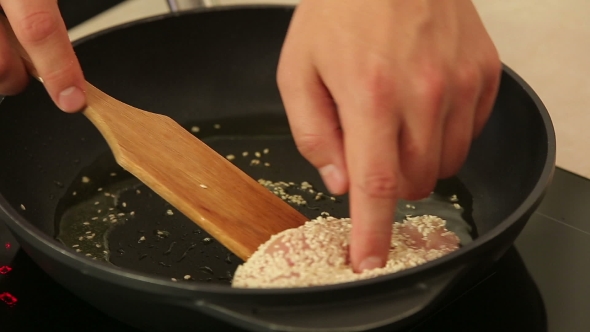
206, 187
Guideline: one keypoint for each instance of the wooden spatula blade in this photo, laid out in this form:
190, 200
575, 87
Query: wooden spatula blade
203, 185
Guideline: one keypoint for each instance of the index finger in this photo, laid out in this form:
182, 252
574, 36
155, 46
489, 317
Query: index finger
372, 158
41, 31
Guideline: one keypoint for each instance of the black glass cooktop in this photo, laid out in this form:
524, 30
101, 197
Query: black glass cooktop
541, 284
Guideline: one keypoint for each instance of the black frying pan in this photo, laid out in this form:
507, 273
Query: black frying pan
218, 67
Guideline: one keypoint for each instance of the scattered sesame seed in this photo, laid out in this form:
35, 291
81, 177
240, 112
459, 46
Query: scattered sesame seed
80, 238
245, 154
187, 277
138, 191
113, 174
98, 245
257, 154
78, 250
169, 212
74, 193
230, 157
96, 203
124, 204
75, 246
132, 213
86, 223
254, 162
217, 126
173, 279
22, 207
267, 164
195, 129
99, 189
141, 239
85, 179
265, 151
203, 186
457, 206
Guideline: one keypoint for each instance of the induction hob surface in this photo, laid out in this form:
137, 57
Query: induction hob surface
539, 285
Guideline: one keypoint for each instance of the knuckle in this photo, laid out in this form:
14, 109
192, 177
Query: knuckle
378, 88
309, 144
379, 184
431, 87
60, 75
38, 26
493, 66
468, 82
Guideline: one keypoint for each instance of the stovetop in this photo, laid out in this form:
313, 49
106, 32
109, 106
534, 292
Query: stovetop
541, 284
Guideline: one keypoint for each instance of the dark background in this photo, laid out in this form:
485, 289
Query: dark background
75, 12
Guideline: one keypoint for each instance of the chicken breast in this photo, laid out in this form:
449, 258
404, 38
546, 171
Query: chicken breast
317, 253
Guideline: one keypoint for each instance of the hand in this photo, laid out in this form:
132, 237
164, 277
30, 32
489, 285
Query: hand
42, 33
384, 97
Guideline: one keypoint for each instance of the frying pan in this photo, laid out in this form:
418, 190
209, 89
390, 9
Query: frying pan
217, 66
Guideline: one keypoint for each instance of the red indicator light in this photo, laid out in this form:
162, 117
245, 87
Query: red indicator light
7, 245
8, 298
5, 269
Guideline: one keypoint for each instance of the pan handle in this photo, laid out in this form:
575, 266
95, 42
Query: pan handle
362, 313
181, 5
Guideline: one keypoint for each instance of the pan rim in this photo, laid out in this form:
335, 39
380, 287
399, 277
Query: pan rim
129, 278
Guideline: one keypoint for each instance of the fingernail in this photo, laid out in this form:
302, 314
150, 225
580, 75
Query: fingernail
71, 99
333, 178
371, 263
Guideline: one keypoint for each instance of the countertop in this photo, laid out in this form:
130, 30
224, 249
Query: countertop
547, 42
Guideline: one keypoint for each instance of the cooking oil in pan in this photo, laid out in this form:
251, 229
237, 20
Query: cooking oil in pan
109, 215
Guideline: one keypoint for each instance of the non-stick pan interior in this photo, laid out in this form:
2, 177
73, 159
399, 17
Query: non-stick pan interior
207, 69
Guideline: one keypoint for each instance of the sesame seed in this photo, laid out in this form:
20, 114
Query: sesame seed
138, 191
267, 164
96, 203
254, 162
230, 157
169, 212
187, 277
217, 126
85, 179
257, 154
132, 213
173, 279
245, 154
74, 193
113, 174
75, 246
86, 223
141, 239
266, 151
203, 186
317, 253
124, 204
195, 129
78, 250
22, 207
